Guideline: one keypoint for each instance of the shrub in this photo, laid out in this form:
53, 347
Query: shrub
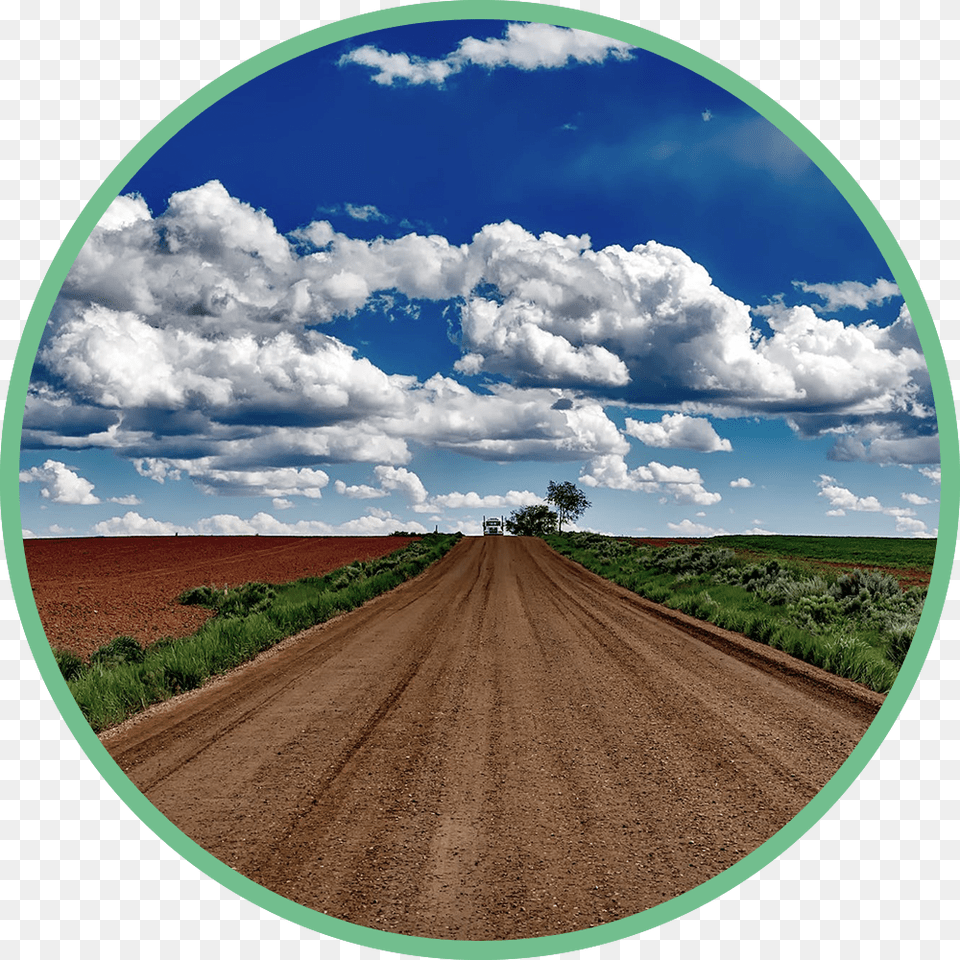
874, 583
761, 629
701, 606
180, 677
118, 650
815, 611
237, 602
658, 594
68, 663
898, 645
852, 658
787, 589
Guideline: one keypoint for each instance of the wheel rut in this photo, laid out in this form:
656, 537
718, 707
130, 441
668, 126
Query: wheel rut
506, 747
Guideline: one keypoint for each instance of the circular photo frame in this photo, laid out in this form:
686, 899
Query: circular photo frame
429, 247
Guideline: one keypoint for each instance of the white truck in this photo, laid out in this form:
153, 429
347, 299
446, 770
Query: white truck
493, 526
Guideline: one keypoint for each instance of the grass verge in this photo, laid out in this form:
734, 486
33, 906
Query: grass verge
857, 624
121, 678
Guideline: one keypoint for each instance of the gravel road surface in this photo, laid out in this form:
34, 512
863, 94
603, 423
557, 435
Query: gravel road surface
507, 746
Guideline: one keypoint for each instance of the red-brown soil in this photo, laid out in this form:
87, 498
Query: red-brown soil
505, 747
89, 591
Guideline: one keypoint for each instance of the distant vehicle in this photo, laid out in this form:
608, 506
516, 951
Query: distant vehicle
493, 526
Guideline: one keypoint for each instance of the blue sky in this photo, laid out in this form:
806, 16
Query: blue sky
406, 280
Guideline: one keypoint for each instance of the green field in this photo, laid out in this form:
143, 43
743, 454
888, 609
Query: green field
914, 553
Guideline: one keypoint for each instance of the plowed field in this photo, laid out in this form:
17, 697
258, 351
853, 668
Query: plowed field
91, 590
507, 746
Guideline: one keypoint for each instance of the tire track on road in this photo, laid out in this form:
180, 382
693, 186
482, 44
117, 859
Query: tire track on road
506, 747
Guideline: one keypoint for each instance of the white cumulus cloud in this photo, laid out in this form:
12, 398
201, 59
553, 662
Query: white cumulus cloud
213, 476
123, 212
131, 524
265, 524
60, 484
850, 293
509, 424
280, 482
156, 469
474, 501
119, 360
677, 430
742, 482
512, 338
131, 500
363, 211
402, 481
525, 46
359, 491
391, 480
683, 483
913, 527
688, 528
842, 500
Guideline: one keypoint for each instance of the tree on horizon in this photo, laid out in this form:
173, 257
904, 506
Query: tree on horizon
569, 499
537, 520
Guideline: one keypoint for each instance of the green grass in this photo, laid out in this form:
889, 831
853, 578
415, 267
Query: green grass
121, 677
855, 624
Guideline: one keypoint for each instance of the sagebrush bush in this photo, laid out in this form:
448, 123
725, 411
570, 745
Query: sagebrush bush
787, 589
874, 582
814, 611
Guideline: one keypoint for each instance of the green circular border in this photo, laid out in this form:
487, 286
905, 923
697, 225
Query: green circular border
427, 13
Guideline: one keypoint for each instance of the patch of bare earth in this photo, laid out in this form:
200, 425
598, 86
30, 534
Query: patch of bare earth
506, 747
89, 591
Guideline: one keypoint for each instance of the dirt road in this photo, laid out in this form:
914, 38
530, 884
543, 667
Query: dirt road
506, 747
